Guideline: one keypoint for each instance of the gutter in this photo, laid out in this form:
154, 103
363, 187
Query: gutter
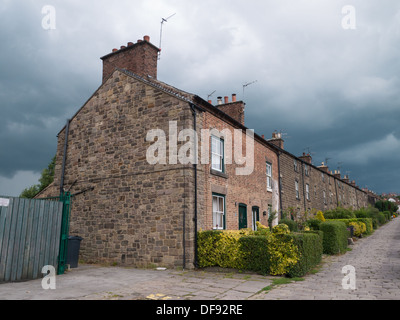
279, 182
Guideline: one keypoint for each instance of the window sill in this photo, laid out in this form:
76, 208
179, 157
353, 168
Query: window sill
218, 173
269, 190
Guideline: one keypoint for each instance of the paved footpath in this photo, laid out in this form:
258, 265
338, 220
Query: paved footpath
376, 260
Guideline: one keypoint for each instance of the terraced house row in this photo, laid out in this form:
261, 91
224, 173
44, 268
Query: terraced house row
134, 211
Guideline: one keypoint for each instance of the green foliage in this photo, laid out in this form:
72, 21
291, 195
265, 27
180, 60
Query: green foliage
386, 205
45, 180
281, 229
219, 248
339, 213
335, 237
314, 224
361, 225
261, 251
293, 225
320, 216
310, 244
31, 192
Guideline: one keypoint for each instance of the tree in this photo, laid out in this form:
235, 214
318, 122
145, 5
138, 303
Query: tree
46, 179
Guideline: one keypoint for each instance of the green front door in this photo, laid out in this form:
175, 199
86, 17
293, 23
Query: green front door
242, 216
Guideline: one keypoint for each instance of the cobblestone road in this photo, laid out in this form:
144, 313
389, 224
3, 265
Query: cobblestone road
376, 260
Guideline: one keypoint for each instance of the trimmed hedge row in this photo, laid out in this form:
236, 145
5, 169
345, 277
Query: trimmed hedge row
292, 254
358, 221
310, 244
335, 236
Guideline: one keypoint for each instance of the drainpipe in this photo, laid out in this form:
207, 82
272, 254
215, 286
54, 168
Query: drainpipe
196, 264
304, 189
280, 184
64, 158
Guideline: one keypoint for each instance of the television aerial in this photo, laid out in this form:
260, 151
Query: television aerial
161, 29
246, 85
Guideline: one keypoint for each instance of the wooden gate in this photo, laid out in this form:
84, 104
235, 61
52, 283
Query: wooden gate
30, 232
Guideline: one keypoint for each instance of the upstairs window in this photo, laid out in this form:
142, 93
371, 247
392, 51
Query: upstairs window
217, 154
269, 177
296, 184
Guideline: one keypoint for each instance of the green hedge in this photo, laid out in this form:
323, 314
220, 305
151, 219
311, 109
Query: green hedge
339, 213
335, 237
367, 221
293, 225
310, 244
293, 254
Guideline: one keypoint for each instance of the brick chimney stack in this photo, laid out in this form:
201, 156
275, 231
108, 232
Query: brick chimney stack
306, 157
277, 139
324, 168
234, 109
140, 58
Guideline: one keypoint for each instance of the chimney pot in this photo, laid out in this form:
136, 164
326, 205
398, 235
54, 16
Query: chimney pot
130, 44
146, 38
114, 50
234, 97
263, 136
226, 99
210, 101
219, 100
139, 40
123, 47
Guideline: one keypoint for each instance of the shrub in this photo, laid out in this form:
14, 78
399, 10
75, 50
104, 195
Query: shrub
293, 225
260, 251
339, 213
219, 248
359, 228
281, 229
313, 224
388, 215
310, 246
272, 253
335, 237
361, 225
320, 216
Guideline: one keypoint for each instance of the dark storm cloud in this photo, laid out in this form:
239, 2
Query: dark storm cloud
332, 91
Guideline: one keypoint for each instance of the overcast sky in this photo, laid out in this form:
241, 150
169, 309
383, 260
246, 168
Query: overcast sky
331, 89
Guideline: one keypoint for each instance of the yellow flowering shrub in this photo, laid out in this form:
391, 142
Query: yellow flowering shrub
359, 228
320, 216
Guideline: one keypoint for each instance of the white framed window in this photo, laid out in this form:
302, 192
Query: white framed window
307, 172
324, 195
308, 191
269, 177
295, 165
296, 184
217, 154
218, 211
269, 211
323, 177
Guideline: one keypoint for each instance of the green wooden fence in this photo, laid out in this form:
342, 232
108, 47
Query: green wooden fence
30, 234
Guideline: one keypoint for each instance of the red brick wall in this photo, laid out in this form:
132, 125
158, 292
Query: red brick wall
249, 189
